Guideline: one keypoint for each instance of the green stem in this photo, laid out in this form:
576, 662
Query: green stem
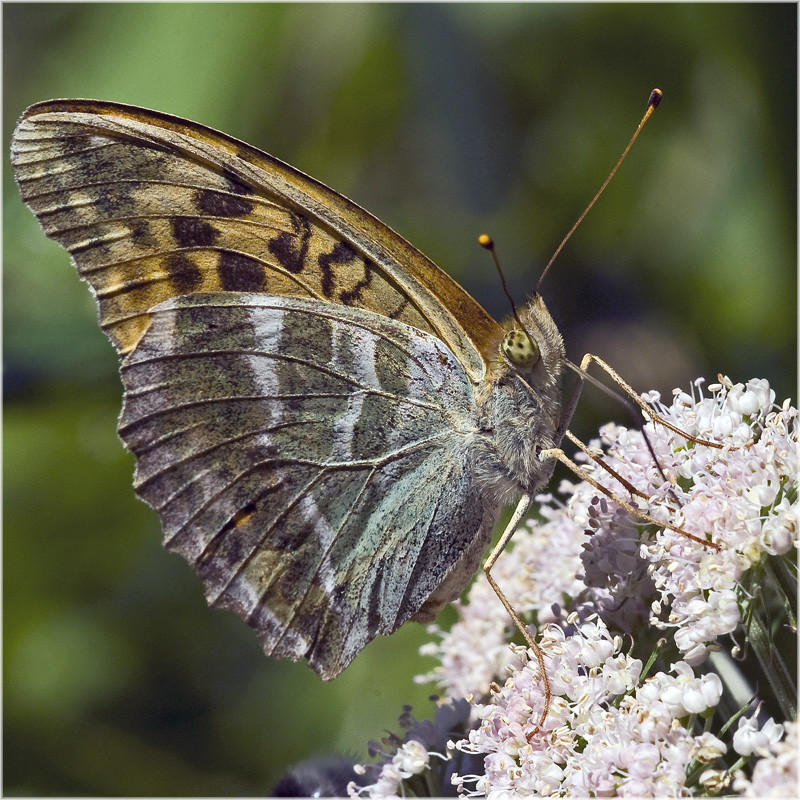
650, 661
773, 666
786, 581
738, 765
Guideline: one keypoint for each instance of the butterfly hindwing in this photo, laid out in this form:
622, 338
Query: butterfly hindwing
311, 461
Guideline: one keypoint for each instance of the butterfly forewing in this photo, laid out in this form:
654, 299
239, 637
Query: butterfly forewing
310, 461
152, 207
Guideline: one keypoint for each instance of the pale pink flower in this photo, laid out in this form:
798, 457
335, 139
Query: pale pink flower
748, 739
775, 773
602, 587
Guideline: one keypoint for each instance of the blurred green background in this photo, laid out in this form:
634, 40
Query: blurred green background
446, 121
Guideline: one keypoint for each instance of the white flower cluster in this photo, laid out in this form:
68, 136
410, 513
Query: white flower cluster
742, 497
739, 497
603, 735
410, 759
775, 772
591, 577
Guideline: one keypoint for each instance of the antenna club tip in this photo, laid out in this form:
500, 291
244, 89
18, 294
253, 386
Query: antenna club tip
655, 98
486, 241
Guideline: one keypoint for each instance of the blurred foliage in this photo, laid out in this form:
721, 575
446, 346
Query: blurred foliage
446, 121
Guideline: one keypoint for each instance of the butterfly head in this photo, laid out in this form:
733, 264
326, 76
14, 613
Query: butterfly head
534, 346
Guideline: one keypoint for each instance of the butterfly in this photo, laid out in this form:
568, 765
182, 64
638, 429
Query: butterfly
327, 424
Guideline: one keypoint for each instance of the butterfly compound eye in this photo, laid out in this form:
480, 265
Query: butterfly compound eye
520, 349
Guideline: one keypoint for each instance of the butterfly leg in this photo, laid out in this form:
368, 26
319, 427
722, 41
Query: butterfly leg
524, 504
617, 378
558, 454
519, 513
561, 456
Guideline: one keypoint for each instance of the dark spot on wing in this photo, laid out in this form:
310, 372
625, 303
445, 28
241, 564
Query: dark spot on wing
116, 197
240, 273
142, 236
220, 204
291, 248
352, 296
342, 253
234, 184
395, 313
184, 273
72, 143
294, 403
193, 232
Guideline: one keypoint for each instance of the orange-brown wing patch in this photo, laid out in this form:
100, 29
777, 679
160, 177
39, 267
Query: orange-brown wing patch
152, 207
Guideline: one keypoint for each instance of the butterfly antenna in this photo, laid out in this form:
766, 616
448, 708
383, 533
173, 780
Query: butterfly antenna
487, 242
652, 104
